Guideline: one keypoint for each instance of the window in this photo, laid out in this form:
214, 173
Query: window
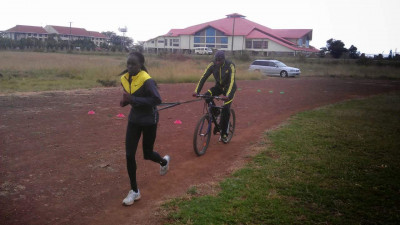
176, 42
199, 39
221, 46
257, 44
210, 40
222, 40
200, 33
210, 31
300, 42
249, 44
210, 37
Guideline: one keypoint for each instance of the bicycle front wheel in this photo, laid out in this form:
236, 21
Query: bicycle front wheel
202, 135
231, 126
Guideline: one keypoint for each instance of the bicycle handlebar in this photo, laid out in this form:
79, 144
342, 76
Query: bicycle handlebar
209, 97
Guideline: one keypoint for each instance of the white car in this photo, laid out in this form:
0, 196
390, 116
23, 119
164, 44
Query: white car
203, 51
274, 68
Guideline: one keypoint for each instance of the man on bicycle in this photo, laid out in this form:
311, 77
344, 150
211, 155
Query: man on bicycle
224, 74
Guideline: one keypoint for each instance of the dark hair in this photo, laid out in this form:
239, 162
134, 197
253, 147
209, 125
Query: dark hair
140, 56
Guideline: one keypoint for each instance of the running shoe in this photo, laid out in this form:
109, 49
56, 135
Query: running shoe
131, 197
164, 169
224, 138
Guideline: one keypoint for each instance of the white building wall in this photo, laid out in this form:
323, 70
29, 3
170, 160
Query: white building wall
50, 29
186, 42
275, 47
238, 43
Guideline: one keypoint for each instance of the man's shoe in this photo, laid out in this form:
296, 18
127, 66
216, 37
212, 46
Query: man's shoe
131, 197
224, 138
164, 169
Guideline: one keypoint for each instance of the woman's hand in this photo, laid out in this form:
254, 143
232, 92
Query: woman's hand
126, 99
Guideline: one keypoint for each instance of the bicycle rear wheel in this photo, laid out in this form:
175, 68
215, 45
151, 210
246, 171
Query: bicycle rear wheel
202, 135
231, 126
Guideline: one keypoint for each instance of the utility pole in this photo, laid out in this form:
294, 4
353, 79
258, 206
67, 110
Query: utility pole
233, 34
69, 38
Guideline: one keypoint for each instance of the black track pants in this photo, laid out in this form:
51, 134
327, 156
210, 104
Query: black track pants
133, 133
226, 109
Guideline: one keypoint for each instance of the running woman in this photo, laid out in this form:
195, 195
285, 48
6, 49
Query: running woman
140, 91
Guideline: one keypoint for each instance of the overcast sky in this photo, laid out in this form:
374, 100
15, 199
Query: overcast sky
372, 26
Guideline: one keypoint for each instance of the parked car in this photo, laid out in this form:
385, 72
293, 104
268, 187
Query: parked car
274, 68
203, 51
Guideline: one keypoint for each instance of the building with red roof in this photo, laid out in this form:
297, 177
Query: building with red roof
234, 33
73, 33
22, 31
62, 33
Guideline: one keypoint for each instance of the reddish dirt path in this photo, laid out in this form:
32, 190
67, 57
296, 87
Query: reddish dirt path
59, 165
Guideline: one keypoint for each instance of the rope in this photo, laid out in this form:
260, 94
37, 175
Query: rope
173, 104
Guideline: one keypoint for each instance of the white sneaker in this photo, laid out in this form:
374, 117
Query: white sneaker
164, 169
131, 197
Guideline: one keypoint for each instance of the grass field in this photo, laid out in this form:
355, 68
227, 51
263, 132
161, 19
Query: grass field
338, 164
34, 71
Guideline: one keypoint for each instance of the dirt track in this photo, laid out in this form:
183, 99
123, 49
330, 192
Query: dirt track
59, 165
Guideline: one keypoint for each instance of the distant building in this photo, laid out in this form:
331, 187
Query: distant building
21, 31
73, 33
234, 33
63, 33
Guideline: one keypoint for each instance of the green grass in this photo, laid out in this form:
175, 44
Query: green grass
335, 165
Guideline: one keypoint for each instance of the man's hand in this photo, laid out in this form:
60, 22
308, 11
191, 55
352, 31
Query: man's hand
225, 98
194, 94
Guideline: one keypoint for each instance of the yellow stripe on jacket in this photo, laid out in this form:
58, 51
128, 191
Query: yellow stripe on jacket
137, 81
200, 81
233, 73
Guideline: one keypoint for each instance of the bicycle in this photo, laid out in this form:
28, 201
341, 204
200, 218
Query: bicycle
202, 132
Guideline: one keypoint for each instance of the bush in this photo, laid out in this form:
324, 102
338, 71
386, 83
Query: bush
244, 56
107, 83
363, 60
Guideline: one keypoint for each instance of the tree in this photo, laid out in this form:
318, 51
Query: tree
335, 47
353, 53
117, 42
322, 52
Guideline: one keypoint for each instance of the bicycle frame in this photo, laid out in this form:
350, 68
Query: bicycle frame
211, 105
202, 134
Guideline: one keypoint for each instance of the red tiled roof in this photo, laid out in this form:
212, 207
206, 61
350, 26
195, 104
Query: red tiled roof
27, 29
258, 34
292, 33
77, 32
174, 33
71, 30
247, 28
96, 34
